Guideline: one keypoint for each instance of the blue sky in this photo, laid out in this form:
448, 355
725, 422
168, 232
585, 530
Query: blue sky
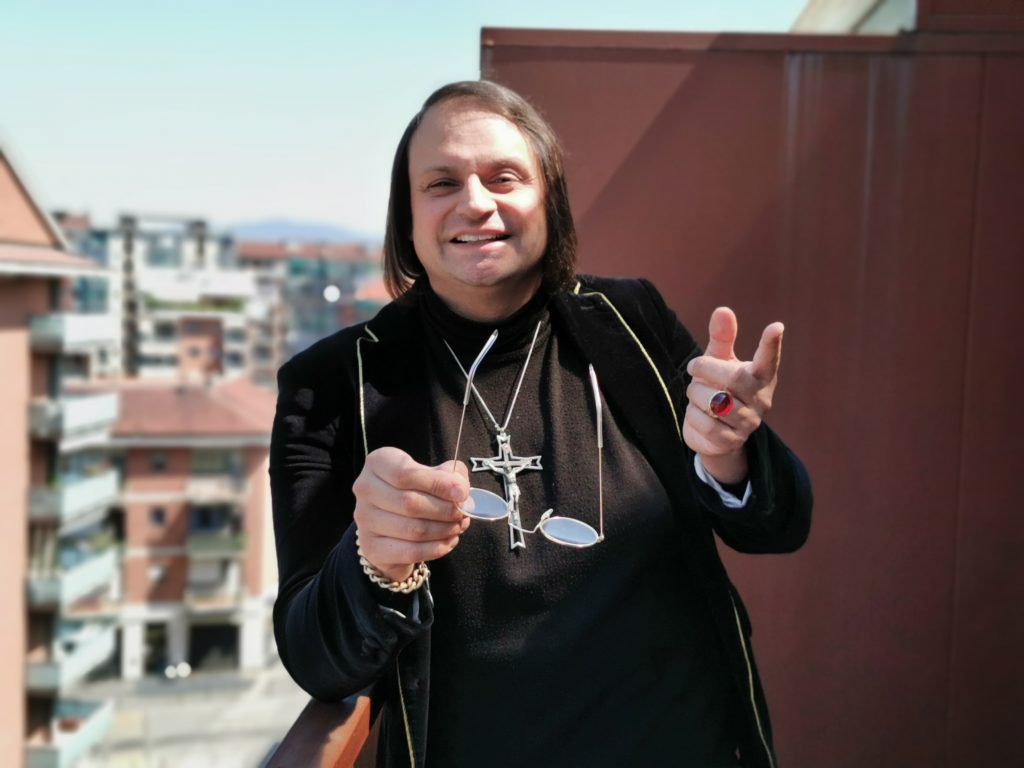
240, 111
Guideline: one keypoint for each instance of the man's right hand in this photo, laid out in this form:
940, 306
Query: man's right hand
407, 512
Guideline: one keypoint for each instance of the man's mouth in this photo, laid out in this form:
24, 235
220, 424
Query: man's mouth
479, 238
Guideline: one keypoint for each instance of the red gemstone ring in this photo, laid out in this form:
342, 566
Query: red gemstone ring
720, 404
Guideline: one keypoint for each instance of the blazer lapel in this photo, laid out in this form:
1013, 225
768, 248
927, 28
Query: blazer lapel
394, 395
637, 380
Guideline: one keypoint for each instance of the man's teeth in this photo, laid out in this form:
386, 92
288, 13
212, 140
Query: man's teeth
478, 238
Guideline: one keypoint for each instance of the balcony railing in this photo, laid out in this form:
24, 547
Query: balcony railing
211, 489
222, 543
212, 598
77, 728
73, 415
65, 587
71, 659
70, 332
74, 496
329, 736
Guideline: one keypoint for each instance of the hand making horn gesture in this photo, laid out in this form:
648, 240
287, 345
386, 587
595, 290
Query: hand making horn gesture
729, 397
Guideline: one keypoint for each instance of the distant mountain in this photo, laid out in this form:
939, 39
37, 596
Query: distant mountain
303, 231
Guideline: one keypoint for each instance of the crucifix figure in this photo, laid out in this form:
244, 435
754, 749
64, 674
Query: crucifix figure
508, 466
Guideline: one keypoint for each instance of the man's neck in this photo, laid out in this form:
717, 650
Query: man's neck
490, 304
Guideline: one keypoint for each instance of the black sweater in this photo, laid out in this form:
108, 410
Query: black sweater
535, 657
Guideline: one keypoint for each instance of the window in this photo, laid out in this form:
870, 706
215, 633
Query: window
156, 573
158, 461
209, 461
165, 331
157, 517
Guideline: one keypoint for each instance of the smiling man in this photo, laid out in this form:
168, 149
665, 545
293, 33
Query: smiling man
590, 417
478, 223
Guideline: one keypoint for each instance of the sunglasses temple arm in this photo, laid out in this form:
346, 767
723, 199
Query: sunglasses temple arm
469, 388
600, 452
458, 440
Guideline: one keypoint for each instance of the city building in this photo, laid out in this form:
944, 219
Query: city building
199, 566
195, 307
313, 290
183, 307
59, 556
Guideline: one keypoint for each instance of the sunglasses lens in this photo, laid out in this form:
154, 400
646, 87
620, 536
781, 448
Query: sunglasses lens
488, 506
571, 533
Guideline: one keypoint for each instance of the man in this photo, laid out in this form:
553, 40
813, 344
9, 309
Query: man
629, 646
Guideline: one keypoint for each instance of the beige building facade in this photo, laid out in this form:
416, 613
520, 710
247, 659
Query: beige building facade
199, 574
57, 552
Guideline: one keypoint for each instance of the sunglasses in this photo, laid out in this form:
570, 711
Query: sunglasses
491, 507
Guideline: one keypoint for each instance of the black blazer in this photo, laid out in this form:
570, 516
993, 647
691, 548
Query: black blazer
363, 388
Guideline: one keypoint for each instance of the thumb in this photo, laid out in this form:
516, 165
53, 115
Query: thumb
722, 329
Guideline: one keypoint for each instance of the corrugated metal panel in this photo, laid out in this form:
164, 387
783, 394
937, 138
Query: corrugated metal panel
987, 693
862, 190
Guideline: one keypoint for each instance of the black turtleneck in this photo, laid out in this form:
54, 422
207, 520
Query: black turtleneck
549, 655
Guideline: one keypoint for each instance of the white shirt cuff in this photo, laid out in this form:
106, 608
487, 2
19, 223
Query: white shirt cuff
727, 498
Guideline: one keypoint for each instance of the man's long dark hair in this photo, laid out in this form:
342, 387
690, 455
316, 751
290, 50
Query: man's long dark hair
401, 264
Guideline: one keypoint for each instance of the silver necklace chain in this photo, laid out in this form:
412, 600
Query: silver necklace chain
506, 464
500, 428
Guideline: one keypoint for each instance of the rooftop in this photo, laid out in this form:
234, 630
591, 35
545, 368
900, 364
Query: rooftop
260, 250
19, 259
234, 408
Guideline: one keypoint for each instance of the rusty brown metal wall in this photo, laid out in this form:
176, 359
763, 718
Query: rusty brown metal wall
867, 192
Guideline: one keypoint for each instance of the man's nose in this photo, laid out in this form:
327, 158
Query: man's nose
476, 200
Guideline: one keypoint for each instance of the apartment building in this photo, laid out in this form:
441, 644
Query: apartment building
199, 566
314, 289
59, 557
183, 306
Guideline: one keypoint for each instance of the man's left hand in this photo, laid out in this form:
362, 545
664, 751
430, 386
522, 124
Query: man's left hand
751, 384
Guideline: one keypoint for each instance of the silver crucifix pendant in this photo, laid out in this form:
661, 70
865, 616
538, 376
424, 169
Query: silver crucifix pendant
508, 466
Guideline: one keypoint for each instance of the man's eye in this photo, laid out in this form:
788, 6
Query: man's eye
441, 184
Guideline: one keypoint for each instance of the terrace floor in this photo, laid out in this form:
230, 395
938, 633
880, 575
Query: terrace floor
209, 720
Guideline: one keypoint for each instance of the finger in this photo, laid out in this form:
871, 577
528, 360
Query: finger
397, 469
387, 524
720, 374
458, 467
708, 435
385, 552
769, 352
722, 330
743, 419
699, 394
378, 494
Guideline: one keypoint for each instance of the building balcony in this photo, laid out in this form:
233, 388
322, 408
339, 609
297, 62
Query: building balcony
74, 497
216, 489
71, 332
76, 728
215, 544
212, 598
65, 587
77, 418
70, 659
158, 347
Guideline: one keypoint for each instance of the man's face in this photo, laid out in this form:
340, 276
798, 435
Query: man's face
478, 220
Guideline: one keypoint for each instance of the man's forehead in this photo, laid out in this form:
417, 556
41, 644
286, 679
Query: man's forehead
463, 127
